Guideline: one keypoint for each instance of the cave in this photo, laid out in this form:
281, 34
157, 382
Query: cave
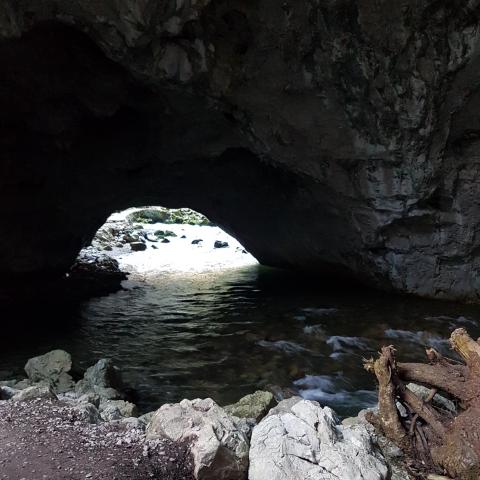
315, 159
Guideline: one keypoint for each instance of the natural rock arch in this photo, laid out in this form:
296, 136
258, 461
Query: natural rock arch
339, 137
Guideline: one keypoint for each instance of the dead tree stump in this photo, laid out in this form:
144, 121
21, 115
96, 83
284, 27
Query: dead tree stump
435, 439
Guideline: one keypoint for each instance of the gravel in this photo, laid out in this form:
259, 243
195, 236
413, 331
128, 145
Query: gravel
45, 439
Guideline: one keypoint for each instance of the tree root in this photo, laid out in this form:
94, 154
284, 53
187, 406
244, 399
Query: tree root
435, 439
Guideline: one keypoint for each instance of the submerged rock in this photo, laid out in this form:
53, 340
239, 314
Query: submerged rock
254, 406
53, 367
301, 440
219, 448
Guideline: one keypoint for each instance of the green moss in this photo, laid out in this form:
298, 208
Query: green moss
168, 216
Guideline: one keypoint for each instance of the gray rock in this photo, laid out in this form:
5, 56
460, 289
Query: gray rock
133, 423
146, 417
53, 367
83, 387
438, 400
244, 425
218, 447
104, 374
87, 412
6, 393
220, 244
22, 384
36, 391
90, 397
117, 409
305, 441
254, 406
102, 379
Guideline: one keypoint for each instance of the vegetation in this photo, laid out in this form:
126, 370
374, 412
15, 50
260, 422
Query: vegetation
169, 216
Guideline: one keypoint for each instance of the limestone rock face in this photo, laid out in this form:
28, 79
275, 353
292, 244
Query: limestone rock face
336, 136
301, 440
218, 447
53, 368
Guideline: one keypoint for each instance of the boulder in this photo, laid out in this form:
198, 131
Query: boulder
220, 244
219, 449
301, 440
53, 367
40, 390
197, 241
254, 406
117, 409
102, 379
86, 412
138, 246
393, 455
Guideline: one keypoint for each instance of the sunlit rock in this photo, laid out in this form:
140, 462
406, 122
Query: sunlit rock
299, 439
218, 447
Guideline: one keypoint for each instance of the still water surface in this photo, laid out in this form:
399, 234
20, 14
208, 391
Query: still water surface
225, 332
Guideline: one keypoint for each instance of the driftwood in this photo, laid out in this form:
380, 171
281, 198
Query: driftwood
436, 440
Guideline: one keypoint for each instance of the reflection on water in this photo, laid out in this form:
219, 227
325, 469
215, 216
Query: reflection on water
226, 333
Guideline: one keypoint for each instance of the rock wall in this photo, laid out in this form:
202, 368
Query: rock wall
336, 136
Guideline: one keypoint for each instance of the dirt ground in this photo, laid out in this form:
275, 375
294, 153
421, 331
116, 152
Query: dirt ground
42, 439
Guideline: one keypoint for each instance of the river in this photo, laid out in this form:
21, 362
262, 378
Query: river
194, 321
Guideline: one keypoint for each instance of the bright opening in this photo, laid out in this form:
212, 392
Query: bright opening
154, 239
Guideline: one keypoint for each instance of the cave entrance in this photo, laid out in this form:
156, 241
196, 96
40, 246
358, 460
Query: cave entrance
156, 239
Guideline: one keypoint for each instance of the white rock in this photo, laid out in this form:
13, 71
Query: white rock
299, 440
218, 447
36, 391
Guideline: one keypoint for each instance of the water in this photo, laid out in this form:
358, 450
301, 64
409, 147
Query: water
225, 332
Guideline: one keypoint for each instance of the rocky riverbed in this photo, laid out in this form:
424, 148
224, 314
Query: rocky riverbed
58, 423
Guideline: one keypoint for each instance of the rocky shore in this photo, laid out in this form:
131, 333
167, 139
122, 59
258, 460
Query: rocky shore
57, 425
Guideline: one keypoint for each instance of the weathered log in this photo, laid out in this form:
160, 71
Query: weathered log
434, 439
